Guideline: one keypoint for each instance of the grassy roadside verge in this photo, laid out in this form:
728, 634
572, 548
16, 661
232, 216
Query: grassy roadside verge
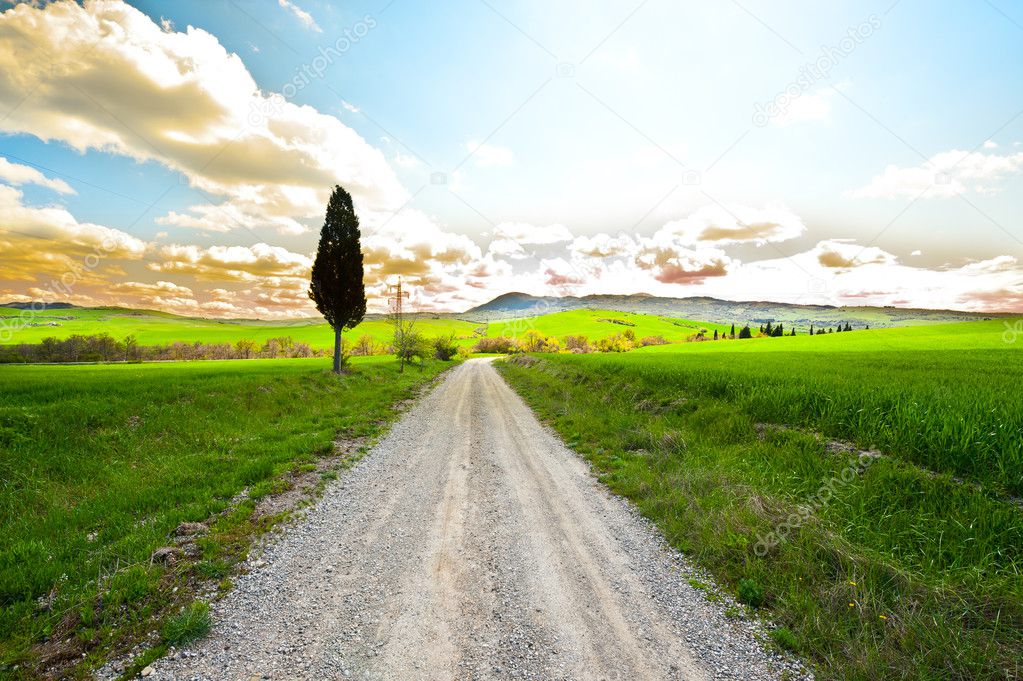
895, 572
101, 464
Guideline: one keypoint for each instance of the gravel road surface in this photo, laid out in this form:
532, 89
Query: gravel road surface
471, 544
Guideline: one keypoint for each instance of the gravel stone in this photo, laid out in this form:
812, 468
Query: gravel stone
472, 544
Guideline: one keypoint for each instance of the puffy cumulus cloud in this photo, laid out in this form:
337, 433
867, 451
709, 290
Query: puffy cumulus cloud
15, 173
508, 248
602, 246
803, 278
259, 262
532, 235
228, 216
722, 225
845, 254
412, 237
103, 75
37, 242
162, 295
943, 175
412, 246
560, 273
678, 265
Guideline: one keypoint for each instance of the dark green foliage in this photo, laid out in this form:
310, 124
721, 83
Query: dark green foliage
445, 347
751, 593
104, 348
746, 332
336, 284
784, 639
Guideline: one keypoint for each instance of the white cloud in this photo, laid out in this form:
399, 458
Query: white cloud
489, 154
527, 234
990, 144
406, 160
943, 175
233, 263
603, 246
734, 224
130, 87
508, 248
18, 174
846, 254
300, 14
40, 242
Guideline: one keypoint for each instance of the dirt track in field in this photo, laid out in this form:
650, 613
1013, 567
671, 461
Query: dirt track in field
471, 543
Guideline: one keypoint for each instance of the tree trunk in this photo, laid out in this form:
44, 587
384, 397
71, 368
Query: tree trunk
337, 351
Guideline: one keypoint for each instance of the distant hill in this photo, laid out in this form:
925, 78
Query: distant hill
38, 306
517, 304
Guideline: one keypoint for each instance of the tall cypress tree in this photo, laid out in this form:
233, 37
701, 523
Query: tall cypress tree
336, 285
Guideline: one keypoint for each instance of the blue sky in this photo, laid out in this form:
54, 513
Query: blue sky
566, 147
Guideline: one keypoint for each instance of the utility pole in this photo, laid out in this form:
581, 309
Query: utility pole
395, 303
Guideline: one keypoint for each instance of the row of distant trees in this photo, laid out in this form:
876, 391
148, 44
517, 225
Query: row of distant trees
534, 341
105, 348
772, 331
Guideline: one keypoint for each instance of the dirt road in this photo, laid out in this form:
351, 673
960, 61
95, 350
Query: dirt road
470, 543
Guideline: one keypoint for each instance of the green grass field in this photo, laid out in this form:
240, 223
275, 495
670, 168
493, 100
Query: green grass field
101, 463
910, 566
151, 328
596, 324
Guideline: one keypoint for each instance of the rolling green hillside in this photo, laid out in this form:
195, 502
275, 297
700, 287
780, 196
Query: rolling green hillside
1001, 334
152, 327
601, 323
722, 311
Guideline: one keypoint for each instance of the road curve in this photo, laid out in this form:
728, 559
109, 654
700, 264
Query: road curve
471, 544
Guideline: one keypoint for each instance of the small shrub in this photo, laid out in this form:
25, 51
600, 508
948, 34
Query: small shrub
617, 343
191, 623
652, 340
411, 345
499, 344
577, 344
534, 341
784, 639
751, 593
445, 347
364, 346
